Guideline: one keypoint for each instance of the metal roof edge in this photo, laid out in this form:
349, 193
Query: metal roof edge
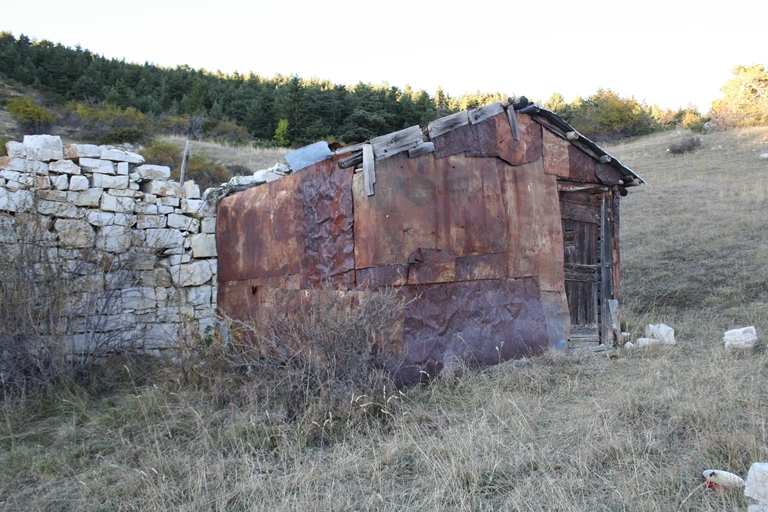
535, 110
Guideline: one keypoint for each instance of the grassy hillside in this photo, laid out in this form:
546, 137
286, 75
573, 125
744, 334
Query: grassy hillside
580, 432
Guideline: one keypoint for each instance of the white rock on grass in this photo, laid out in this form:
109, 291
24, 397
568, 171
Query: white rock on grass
664, 333
741, 338
757, 482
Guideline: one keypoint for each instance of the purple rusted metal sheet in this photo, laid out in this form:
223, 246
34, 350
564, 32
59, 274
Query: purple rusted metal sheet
452, 204
479, 322
327, 238
555, 154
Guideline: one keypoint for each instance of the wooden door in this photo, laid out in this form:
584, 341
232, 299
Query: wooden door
581, 214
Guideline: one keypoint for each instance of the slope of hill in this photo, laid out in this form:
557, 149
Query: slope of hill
632, 431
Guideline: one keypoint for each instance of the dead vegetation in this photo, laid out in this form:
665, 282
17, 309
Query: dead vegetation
558, 432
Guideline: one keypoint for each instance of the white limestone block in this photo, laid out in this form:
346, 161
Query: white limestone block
163, 238
113, 203
118, 155
114, 239
183, 222
15, 149
10, 175
41, 183
208, 225
191, 274
58, 209
151, 221
18, 201
60, 181
100, 219
97, 165
79, 183
199, 295
64, 167
77, 151
52, 195
148, 172
204, 245
90, 198
191, 206
44, 147
138, 298
145, 209
114, 182
162, 188
178, 259
122, 168
741, 338
74, 232
191, 190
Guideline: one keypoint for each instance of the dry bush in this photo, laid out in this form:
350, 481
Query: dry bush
316, 363
54, 307
686, 145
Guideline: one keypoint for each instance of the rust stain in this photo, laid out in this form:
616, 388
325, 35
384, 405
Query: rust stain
526, 150
454, 203
555, 155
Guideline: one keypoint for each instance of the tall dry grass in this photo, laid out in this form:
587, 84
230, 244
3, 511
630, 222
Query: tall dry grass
558, 432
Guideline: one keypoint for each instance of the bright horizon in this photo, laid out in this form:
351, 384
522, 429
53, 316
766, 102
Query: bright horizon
662, 53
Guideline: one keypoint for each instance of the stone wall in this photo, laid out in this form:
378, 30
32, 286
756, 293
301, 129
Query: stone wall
138, 250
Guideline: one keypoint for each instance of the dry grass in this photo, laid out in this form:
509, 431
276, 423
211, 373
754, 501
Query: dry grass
242, 159
580, 432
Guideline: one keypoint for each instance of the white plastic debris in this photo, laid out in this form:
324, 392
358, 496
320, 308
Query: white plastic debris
741, 338
716, 478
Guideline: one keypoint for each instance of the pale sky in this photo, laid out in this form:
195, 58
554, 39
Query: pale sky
669, 53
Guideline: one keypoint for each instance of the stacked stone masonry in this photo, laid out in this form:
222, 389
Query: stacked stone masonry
140, 249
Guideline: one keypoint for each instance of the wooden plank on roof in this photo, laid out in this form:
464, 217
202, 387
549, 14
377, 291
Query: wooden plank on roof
350, 149
448, 123
513, 123
397, 142
479, 115
369, 171
422, 149
352, 160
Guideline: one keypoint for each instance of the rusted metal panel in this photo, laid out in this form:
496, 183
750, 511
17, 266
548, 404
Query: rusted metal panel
480, 322
608, 174
377, 277
582, 165
326, 235
534, 234
473, 139
530, 146
555, 154
431, 266
256, 233
481, 266
453, 203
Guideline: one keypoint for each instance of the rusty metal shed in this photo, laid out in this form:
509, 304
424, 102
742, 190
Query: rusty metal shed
500, 223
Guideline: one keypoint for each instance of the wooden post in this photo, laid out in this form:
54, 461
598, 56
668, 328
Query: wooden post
184, 161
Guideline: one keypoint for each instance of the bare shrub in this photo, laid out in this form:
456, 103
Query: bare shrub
686, 145
56, 307
316, 363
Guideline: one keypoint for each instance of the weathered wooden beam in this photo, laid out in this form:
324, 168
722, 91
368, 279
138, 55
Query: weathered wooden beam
479, 115
584, 273
448, 123
604, 159
421, 149
512, 117
397, 142
352, 160
567, 186
350, 149
571, 135
369, 171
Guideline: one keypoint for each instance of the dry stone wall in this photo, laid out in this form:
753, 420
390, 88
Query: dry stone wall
138, 251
